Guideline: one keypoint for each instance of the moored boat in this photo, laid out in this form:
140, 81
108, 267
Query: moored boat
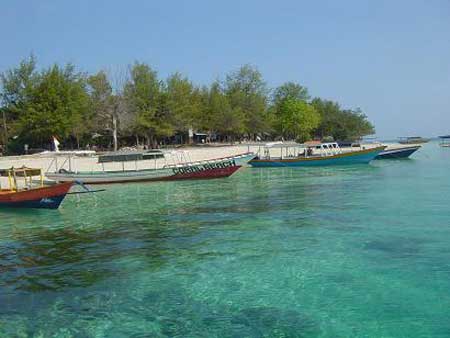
27, 195
397, 152
324, 154
216, 168
444, 141
413, 140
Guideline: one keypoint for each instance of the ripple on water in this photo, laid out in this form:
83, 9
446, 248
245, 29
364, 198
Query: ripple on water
333, 252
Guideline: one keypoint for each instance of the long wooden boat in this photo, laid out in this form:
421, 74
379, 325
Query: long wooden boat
29, 196
217, 168
325, 154
413, 140
396, 153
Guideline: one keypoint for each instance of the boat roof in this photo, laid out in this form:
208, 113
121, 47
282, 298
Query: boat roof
445, 136
126, 156
312, 143
410, 137
300, 145
20, 172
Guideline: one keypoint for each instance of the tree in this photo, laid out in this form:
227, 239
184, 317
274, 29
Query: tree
59, 100
183, 102
17, 85
297, 119
329, 112
223, 118
56, 103
247, 94
355, 125
104, 105
142, 93
290, 90
341, 124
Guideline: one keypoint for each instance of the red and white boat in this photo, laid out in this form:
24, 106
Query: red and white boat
216, 168
27, 195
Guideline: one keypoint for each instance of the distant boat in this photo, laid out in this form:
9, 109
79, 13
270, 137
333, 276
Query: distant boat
397, 152
413, 140
323, 154
28, 195
445, 141
209, 169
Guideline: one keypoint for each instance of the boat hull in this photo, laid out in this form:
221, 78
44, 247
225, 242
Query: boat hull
49, 197
241, 159
397, 153
191, 172
355, 157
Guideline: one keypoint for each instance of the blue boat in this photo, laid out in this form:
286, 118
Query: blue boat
323, 154
396, 153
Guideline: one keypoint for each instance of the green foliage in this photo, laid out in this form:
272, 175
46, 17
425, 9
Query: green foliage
247, 94
183, 102
142, 92
296, 119
100, 100
290, 90
341, 124
17, 86
224, 119
58, 105
60, 101
42, 104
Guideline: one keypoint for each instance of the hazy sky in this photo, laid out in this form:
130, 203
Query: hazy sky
390, 58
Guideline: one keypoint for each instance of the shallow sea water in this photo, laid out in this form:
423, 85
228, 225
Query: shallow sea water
358, 251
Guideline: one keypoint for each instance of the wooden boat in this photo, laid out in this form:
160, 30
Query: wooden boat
324, 154
27, 195
397, 152
413, 140
444, 141
216, 168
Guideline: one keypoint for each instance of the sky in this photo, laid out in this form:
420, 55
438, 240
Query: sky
389, 58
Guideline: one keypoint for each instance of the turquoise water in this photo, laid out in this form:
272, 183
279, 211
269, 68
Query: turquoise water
360, 251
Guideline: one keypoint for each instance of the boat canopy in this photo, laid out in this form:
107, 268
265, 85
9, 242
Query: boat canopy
312, 144
131, 156
26, 174
20, 172
445, 137
293, 150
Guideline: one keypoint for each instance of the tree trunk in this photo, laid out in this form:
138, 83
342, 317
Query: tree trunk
114, 121
5, 129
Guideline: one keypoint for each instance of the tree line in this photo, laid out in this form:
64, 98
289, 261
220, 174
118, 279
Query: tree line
136, 106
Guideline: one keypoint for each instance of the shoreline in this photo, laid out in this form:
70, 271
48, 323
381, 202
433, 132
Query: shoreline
191, 153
